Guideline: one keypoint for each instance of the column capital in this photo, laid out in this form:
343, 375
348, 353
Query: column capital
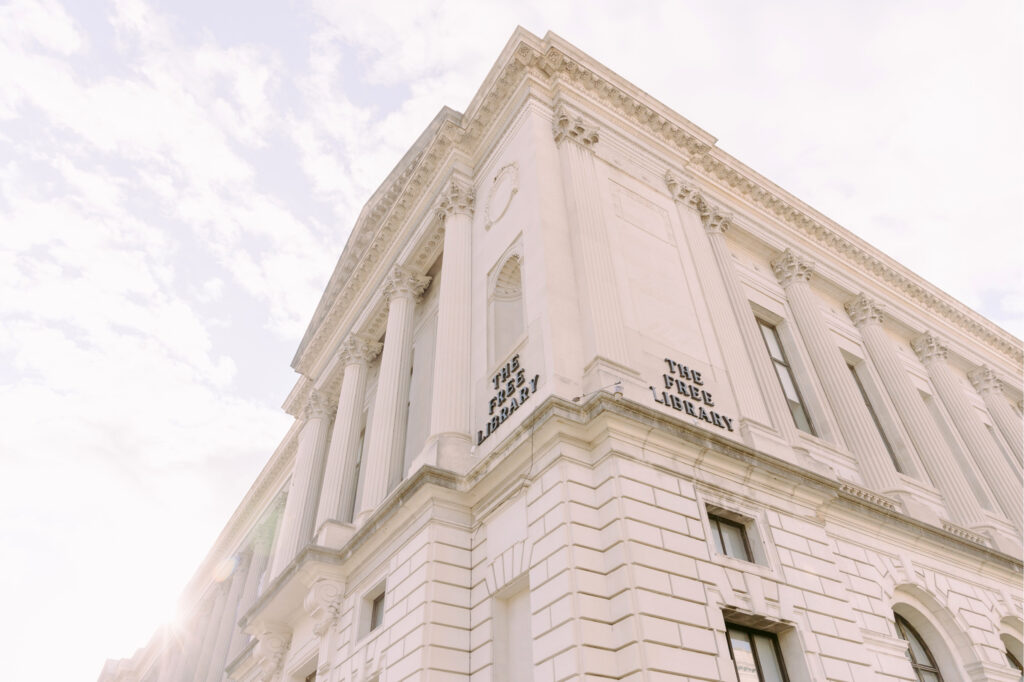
358, 350
457, 197
318, 406
985, 380
789, 267
567, 125
323, 604
928, 348
403, 282
863, 310
713, 217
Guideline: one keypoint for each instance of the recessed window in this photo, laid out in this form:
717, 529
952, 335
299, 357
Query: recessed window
755, 654
874, 418
377, 612
730, 538
921, 659
785, 375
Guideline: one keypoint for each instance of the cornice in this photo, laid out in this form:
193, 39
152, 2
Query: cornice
555, 63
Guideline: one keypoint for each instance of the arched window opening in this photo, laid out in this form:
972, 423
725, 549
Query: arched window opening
921, 658
506, 308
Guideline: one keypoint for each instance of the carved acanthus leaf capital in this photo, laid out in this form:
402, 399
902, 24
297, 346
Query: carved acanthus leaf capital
928, 348
272, 642
863, 310
358, 350
318, 406
404, 282
789, 268
985, 380
323, 604
568, 126
457, 197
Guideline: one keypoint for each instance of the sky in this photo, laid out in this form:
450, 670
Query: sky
177, 180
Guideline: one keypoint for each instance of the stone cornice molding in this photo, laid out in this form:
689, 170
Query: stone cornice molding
789, 268
568, 125
403, 282
458, 197
863, 310
358, 350
550, 60
985, 380
323, 604
272, 642
929, 348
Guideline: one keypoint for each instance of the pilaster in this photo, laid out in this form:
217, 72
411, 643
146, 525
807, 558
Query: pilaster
226, 627
1007, 421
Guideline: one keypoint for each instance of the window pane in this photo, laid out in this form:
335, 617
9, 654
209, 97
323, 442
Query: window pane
743, 656
735, 544
771, 340
377, 612
766, 656
788, 387
716, 533
800, 417
926, 676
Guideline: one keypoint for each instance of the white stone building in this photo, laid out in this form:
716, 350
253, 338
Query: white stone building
586, 398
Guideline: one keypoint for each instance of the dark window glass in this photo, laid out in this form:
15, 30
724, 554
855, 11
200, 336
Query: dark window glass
1014, 663
730, 538
917, 651
377, 612
874, 418
785, 376
756, 655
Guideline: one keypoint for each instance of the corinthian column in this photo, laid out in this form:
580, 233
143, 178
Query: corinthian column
996, 470
604, 338
934, 453
383, 460
300, 507
210, 633
855, 423
730, 311
339, 488
259, 556
226, 627
1007, 421
449, 406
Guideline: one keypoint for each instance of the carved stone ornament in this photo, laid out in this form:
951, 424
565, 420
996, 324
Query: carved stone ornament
684, 192
928, 348
404, 282
317, 406
566, 126
271, 646
789, 268
323, 604
358, 350
985, 380
457, 197
499, 198
863, 310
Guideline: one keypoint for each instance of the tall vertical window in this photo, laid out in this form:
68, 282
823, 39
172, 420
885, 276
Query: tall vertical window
506, 308
351, 511
921, 659
755, 654
785, 374
874, 418
377, 612
730, 538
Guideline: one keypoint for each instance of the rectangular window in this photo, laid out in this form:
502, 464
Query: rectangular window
874, 418
377, 612
755, 654
785, 376
730, 538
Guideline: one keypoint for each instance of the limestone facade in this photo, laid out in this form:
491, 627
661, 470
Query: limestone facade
588, 399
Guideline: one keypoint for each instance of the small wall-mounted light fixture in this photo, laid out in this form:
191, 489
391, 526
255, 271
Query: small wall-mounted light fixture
617, 391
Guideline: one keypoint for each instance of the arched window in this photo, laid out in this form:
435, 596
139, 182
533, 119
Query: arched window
506, 308
920, 658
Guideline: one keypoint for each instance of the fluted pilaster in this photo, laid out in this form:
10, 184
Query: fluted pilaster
220, 594
304, 490
604, 336
1007, 421
855, 423
383, 460
737, 332
1002, 481
339, 488
934, 453
259, 550
226, 627
449, 406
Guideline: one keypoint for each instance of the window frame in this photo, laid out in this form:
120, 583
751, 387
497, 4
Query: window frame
903, 629
716, 521
750, 632
886, 441
783, 363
